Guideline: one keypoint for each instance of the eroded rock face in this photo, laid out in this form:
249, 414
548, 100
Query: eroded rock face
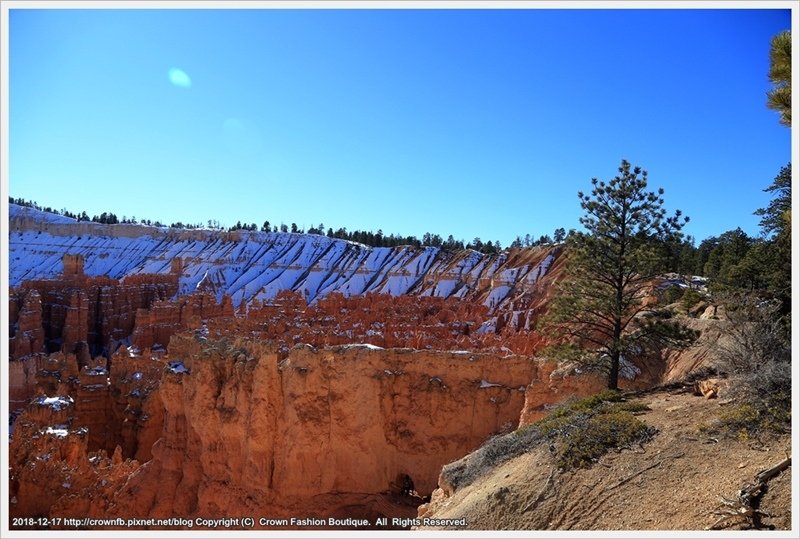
25, 331
233, 426
52, 472
258, 266
242, 428
245, 431
74, 310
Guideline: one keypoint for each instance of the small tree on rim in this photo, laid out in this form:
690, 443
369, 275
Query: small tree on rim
599, 315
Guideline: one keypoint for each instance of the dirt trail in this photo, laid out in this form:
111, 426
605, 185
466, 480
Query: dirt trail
673, 482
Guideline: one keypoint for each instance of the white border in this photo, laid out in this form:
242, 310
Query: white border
5, 5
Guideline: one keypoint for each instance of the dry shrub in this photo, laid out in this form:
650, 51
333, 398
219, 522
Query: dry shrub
577, 434
757, 360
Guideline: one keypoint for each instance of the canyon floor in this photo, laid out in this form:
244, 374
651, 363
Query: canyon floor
673, 482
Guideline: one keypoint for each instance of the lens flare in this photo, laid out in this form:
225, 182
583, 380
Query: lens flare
179, 78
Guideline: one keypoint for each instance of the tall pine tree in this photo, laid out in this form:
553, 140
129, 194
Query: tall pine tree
599, 315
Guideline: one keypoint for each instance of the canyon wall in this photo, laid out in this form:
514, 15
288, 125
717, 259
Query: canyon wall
257, 266
242, 430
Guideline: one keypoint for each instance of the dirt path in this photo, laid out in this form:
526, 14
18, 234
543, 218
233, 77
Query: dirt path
673, 482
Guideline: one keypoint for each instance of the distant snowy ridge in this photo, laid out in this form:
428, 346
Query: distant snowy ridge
258, 265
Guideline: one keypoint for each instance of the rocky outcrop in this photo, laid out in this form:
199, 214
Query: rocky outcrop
244, 431
241, 428
555, 384
156, 325
26, 331
75, 311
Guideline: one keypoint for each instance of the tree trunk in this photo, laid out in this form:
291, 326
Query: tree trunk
613, 373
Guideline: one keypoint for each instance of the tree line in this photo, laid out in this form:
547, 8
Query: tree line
366, 237
736, 260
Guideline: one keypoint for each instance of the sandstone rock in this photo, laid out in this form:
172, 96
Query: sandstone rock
26, 331
708, 388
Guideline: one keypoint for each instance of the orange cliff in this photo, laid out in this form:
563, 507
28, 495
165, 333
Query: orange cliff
232, 426
243, 431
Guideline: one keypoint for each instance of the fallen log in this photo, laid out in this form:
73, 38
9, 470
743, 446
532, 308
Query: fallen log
744, 508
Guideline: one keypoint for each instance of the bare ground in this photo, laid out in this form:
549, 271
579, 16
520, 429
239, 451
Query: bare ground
674, 482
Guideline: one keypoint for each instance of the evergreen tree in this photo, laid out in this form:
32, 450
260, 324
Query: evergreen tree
776, 225
775, 216
780, 74
598, 313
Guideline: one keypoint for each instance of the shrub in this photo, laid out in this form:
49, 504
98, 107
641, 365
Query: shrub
690, 298
671, 294
597, 434
578, 433
757, 360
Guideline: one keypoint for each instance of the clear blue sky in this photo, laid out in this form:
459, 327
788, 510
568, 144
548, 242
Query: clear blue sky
471, 123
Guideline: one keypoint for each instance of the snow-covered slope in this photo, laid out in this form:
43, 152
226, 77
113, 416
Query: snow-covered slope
257, 265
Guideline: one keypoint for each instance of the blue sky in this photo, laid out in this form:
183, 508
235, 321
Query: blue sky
464, 122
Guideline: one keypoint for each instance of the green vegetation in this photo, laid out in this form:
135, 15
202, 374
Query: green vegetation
780, 74
689, 299
577, 433
671, 294
583, 431
598, 316
752, 422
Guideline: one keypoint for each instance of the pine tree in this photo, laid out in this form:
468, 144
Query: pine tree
780, 74
776, 225
598, 314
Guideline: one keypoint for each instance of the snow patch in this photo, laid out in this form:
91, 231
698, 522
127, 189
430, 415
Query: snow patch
56, 403
177, 367
362, 345
59, 431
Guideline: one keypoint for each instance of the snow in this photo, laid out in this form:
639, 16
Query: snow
137, 376
627, 369
490, 326
177, 367
59, 431
496, 296
23, 212
362, 345
56, 403
253, 265
485, 384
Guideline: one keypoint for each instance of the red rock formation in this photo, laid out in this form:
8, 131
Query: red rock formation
26, 331
137, 409
73, 267
52, 473
22, 382
76, 308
